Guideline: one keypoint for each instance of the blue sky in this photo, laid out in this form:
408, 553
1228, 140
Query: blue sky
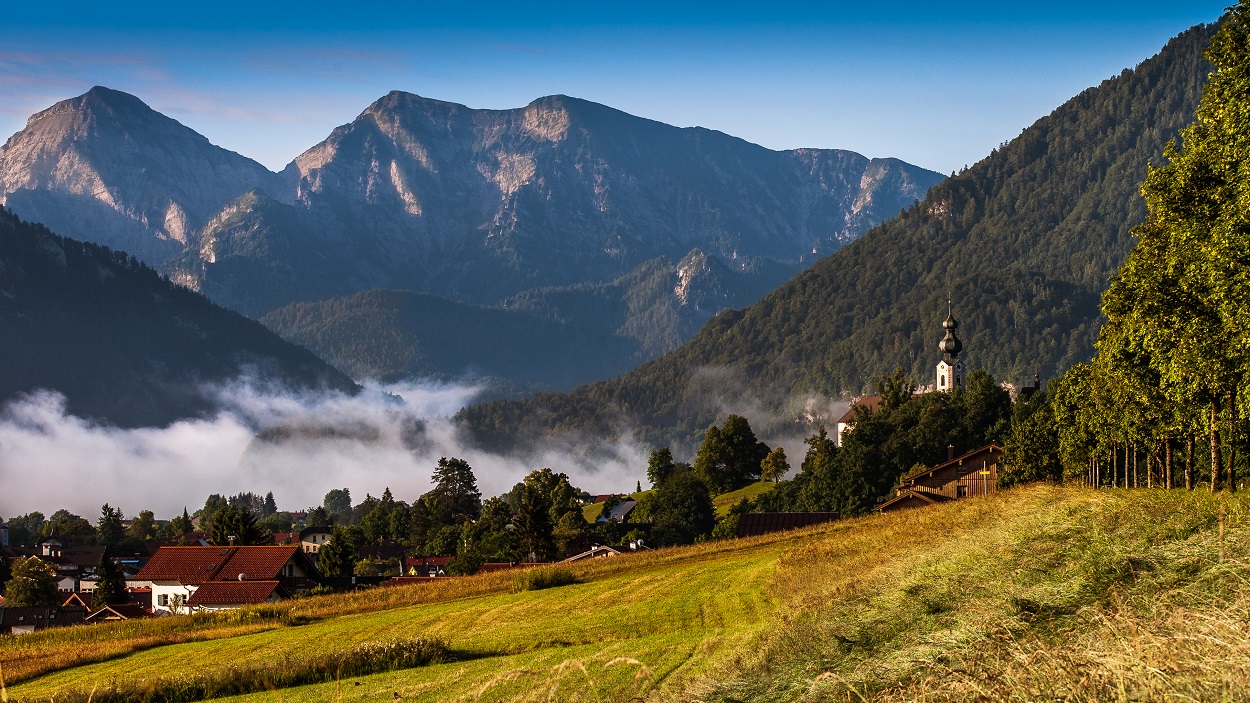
936, 84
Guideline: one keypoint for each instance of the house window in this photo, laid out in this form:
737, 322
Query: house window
961, 491
162, 599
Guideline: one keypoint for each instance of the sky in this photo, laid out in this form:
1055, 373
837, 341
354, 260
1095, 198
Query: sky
935, 84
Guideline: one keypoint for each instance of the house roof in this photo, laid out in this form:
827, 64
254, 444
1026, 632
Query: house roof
81, 599
233, 592
905, 496
872, 403
313, 530
427, 561
119, 611
197, 565
42, 616
957, 461
595, 552
752, 524
620, 512
259, 562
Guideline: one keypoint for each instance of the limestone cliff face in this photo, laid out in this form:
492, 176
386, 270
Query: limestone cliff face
423, 195
107, 168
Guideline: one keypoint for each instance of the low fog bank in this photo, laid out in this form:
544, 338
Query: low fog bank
268, 439
301, 445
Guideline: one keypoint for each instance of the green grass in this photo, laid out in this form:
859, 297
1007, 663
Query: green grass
725, 501
657, 599
591, 511
1035, 594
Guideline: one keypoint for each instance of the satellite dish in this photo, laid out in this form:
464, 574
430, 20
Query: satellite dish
242, 576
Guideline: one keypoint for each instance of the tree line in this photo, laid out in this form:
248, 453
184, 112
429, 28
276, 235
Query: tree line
1163, 403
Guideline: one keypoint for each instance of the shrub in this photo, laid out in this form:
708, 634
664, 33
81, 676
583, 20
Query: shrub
543, 577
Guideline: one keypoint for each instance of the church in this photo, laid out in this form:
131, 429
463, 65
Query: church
950, 376
972, 474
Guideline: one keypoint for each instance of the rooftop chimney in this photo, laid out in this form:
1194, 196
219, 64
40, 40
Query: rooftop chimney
950, 452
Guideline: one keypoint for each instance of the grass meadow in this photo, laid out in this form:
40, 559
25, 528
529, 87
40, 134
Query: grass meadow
1035, 594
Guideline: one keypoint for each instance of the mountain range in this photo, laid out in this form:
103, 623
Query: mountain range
1024, 243
562, 199
123, 344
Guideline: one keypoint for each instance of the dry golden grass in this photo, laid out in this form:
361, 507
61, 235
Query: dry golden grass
1042, 594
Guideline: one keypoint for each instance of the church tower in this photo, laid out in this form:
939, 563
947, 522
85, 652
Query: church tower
950, 370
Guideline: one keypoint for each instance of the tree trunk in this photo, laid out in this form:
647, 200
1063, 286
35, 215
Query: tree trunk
1189, 465
1215, 448
1134, 468
1167, 458
1230, 438
1115, 464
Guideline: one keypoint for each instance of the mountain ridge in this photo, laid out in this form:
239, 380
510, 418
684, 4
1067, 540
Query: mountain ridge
123, 344
1026, 240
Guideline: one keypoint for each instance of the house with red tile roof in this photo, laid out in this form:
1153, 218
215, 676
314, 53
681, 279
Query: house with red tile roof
426, 566
224, 595
178, 574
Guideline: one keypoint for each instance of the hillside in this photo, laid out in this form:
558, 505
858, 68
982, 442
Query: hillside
122, 343
1142, 592
545, 338
1025, 242
485, 207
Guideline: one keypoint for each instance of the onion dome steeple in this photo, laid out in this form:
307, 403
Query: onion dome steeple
950, 346
950, 370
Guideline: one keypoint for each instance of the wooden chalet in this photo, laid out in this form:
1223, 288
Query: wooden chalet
973, 474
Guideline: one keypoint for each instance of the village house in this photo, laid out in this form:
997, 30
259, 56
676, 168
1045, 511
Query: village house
599, 551
312, 539
25, 620
216, 578
973, 474
426, 566
118, 611
621, 512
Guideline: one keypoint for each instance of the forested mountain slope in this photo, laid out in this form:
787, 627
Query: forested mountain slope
546, 338
550, 204
1024, 241
123, 344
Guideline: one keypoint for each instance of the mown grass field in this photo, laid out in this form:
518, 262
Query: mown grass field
1036, 594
